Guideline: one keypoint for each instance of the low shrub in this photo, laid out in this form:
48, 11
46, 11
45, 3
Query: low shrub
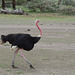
67, 10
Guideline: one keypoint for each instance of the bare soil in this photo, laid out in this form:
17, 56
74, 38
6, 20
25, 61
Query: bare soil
54, 54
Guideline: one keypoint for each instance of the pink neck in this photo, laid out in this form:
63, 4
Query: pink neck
39, 29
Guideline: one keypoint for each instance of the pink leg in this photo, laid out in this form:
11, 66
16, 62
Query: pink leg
16, 51
26, 59
13, 62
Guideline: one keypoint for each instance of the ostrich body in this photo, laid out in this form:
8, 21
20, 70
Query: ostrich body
21, 42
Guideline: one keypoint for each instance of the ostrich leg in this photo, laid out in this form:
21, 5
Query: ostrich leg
26, 60
13, 62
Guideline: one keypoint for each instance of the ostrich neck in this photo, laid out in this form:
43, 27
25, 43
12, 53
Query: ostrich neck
39, 29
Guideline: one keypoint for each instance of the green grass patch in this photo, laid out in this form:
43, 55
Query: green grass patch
45, 59
20, 72
4, 66
73, 63
8, 70
42, 16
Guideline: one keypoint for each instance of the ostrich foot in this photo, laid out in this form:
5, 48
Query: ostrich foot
31, 67
14, 66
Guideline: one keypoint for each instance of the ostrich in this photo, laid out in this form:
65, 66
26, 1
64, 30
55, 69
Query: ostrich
21, 42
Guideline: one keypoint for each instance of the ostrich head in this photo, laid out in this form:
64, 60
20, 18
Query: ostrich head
36, 21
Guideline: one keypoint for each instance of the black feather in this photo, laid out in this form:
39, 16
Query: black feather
23, 41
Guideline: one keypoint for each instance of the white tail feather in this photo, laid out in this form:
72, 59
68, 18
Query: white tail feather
13, 47
39, 36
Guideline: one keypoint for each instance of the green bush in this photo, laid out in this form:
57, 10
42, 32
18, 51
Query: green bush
68, 2
42, 6
20, 2
67, 10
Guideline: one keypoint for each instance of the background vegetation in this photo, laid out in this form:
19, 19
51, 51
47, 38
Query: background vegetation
66, 7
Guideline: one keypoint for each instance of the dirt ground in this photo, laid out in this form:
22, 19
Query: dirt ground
54, 54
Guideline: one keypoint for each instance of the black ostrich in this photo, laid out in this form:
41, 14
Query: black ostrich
21, 42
